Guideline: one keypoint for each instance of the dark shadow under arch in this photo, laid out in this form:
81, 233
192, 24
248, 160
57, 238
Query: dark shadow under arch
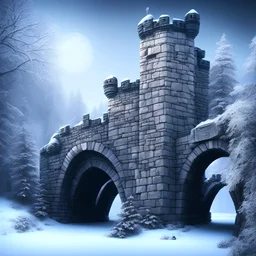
89, 188
211, 193
92, 199
195, 208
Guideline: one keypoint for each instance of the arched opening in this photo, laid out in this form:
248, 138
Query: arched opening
220, 202
201, 191
223, 208
89, 188
115, 209
93, 196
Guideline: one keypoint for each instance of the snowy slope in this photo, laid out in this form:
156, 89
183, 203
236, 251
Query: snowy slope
90, 239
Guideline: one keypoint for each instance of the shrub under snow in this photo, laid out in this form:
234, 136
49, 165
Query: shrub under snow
129, 224
23, 224
151, 221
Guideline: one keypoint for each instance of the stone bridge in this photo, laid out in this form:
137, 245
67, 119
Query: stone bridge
149, 144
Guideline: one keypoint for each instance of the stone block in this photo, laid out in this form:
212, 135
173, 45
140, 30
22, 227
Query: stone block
154, 194
150, 203
151, 187
141, 189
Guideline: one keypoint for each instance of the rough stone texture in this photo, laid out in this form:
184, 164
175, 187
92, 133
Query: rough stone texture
143, 146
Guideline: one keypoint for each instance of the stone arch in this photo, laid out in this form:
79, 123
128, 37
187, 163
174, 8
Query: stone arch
211, 193
92, 160
92, 146
193, 207
198, 150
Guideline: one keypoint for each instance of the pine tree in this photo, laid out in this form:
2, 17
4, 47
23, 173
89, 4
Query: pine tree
41, 204
240, 118
250, 63
151, 221
130, 220
9, 118
24, 172
222, 78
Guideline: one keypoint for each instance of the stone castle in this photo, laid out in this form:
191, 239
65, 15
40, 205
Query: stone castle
149, 144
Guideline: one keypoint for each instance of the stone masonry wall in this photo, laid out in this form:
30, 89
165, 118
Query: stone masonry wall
166, 109
124, 134
118, 132
201, 87
183, 149
50, 165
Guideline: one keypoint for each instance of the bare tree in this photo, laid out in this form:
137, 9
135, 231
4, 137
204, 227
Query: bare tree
23, 42
24, 46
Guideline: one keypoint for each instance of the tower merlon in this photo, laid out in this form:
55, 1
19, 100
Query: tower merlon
111, 88
200, 62
190, 25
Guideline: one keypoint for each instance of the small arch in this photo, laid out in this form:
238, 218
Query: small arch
86, 146
192, 178
91, 165
220, 146
211, 193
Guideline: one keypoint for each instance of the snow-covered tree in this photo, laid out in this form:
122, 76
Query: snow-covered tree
41, 204
130, 220
240, 120
150, 221
9, 118
250, 63
222, 78
24, 171
26, 66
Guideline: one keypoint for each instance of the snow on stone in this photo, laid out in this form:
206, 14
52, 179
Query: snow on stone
174, 19
148, 17
80, 123
109, 77
54, 135
208, 121
164, 16
125, 79
53, 141
191, 12
62, 127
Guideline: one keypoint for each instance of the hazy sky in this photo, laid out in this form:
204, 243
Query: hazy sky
110, 30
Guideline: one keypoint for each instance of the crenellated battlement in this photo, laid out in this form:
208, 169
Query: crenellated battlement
111, 86
190, 25
201, 63
86, 125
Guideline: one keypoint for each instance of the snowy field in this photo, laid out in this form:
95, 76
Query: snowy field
50, 238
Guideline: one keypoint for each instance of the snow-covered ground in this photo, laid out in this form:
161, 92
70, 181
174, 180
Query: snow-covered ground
90, 239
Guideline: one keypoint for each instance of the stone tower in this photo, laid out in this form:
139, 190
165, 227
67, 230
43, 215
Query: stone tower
142, 146
170, 72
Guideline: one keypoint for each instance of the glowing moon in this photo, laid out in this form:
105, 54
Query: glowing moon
74, 53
